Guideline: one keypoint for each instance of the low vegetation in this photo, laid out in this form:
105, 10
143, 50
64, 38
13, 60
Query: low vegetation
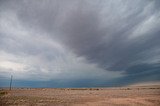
122, 96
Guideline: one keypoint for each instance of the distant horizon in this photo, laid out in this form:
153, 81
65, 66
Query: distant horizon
56, 84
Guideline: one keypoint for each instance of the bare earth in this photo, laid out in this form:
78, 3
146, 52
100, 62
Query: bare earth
124, 96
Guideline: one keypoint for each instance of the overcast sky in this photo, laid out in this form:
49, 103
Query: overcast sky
79, 43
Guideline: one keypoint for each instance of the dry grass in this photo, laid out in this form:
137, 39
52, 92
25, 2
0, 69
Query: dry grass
127, 96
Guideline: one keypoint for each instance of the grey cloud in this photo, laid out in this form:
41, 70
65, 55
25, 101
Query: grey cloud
117, 35
109, 46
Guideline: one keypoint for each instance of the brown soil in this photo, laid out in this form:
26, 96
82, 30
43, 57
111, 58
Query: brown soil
126, 96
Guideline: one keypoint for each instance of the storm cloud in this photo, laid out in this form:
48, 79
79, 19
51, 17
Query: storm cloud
94, 42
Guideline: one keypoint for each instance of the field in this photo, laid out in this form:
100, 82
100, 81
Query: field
120, 96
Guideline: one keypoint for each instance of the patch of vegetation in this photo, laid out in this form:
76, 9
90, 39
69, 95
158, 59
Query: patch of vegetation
2, 98
83, 89
2, 93
128, 89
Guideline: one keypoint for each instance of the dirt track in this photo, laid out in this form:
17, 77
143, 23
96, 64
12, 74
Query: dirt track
128, 96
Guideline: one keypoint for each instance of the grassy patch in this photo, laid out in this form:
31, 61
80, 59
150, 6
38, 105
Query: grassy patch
2, 98
2, 93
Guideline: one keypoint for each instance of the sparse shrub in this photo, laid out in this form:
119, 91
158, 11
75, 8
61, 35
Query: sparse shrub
128, 88
3, 93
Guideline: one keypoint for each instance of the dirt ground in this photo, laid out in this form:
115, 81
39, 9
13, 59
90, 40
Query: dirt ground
124, 96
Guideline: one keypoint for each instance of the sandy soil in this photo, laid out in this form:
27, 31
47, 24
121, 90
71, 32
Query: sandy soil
126, 96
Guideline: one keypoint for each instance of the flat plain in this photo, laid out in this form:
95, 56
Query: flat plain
117, 96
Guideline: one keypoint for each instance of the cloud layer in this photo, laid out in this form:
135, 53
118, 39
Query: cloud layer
98, 41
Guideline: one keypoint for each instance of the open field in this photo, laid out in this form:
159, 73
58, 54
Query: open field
124, 96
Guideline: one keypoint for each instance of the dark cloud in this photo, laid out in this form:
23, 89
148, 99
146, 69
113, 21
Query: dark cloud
107, 43
116, 35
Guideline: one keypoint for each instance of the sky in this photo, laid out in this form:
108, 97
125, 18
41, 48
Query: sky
79, 43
